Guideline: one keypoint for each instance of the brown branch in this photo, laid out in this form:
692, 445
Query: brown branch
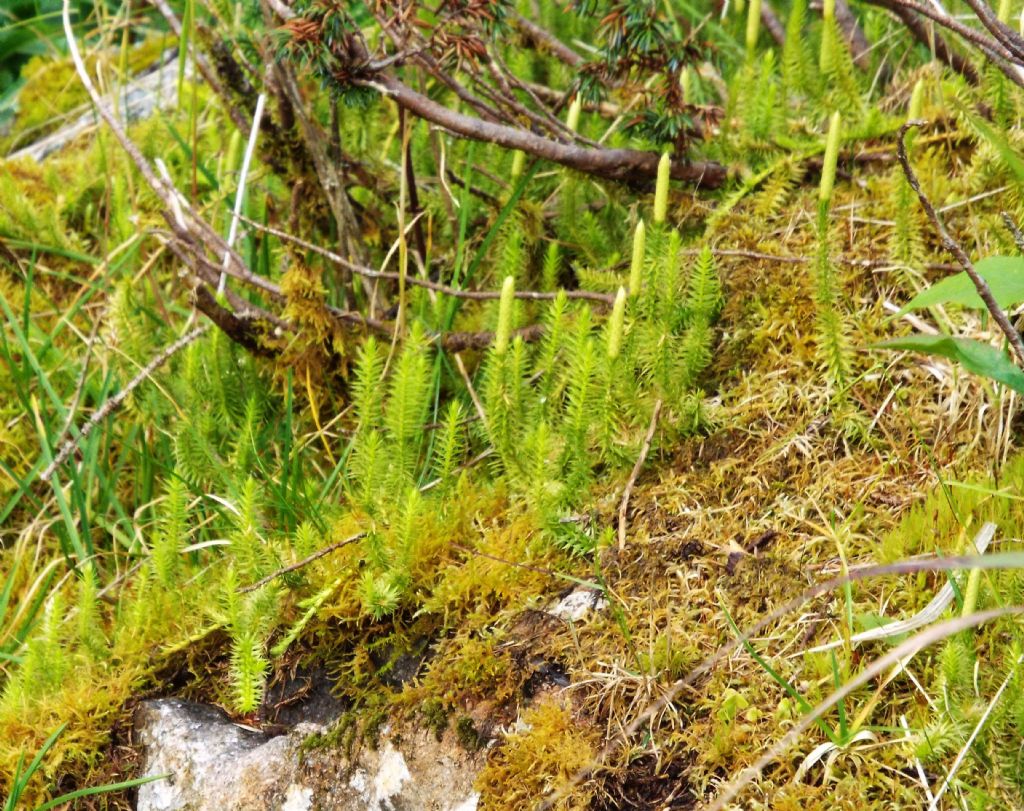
954, 247
459, 341
644, 450
773, 25
111, 405
926, 34
320, 553
614, 164
471, 295
1009, 38
545, 39
240, 330
992, 49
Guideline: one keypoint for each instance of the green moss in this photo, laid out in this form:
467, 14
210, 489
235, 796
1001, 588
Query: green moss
435, 716
538, 761
467, 734
52, 89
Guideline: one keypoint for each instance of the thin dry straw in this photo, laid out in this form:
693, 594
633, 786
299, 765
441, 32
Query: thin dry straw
115, 402
1002, 560
930, 613
240, 194
909, 648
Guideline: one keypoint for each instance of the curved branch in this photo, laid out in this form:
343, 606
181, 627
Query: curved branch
614, 164
926, 34
954, 247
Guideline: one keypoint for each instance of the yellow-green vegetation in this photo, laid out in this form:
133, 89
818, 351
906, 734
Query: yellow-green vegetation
726, 340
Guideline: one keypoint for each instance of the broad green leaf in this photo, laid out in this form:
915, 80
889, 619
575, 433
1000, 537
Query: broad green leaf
1004, 275
975, 356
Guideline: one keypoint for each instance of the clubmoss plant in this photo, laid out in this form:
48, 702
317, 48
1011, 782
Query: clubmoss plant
833, 351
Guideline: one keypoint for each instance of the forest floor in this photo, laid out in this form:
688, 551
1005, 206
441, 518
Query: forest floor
785, 485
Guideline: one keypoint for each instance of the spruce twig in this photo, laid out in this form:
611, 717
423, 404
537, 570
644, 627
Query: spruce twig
644, 450
954, 247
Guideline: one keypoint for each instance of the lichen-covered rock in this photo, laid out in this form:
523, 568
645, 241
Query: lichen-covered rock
215, 765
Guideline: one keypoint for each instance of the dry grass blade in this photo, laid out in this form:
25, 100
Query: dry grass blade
930, 613
955, 248
906, 649
635, 474
115, 402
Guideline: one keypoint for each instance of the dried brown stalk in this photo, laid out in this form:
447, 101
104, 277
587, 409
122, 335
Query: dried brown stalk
320, 553
954, 247
635, 474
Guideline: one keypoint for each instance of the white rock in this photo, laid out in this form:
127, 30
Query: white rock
575, 606
215, 765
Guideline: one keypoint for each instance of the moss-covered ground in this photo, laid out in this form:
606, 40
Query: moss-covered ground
117, 584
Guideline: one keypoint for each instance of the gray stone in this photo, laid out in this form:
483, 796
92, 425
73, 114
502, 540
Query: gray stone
216, 765
575, 606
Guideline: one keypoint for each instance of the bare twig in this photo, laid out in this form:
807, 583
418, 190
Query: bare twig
644, 450
1018, 237
615, 164
320, 553
115, 402
954, 247
544, 38
925, 33
470, 388
472, 295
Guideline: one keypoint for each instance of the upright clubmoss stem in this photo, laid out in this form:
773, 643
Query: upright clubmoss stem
518, 161
828, 166
753, 27
661, 189
616, 324
828, 16
572, 120
636, 265
504, 330
914, 108
686, 83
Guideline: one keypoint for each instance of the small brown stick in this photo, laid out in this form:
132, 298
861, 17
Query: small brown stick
925, 33
469, 387
956, 249
622, 164
624, 504
860, 48
473, 295
115, 402
773, 25
1018, 237
544, 38
304, 562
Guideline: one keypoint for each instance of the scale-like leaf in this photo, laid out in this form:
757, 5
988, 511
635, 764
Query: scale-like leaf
1004, 275
975, 356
